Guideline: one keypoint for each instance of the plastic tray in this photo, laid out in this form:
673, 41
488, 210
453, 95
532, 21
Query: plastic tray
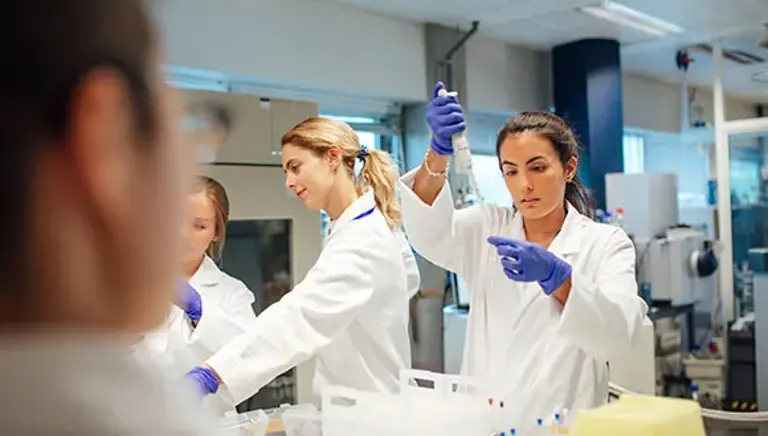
303, 420
246, 424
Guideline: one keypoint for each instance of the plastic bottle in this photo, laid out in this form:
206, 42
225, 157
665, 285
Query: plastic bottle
619, 221
695, 392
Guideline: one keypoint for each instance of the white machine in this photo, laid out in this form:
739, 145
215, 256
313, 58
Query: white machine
649, 201
677, 262
679, 267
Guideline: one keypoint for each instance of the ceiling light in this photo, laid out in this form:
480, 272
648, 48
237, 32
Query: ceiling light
624, 16
760, 76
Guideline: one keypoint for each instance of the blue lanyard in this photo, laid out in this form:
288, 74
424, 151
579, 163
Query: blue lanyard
364, 214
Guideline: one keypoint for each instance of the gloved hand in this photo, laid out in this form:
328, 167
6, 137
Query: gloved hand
445, 118
204, 379
188, 300
526, 262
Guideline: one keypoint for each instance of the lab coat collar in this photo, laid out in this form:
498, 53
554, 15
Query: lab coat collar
207, 274
568, 240
363, 204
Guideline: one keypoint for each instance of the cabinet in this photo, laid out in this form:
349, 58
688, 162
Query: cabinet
257, 124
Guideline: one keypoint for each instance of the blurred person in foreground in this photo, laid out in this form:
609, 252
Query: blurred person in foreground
92, 183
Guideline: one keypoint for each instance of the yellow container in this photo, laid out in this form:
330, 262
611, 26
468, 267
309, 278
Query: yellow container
639, 415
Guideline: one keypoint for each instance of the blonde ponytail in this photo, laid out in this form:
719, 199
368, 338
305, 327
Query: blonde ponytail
379, 172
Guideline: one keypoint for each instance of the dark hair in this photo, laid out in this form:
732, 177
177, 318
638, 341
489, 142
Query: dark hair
564, 141
49, 47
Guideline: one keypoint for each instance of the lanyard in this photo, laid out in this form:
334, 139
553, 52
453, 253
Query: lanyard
364, 214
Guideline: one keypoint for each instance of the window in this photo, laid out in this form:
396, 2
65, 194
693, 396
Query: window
367, 138
490, 180
634, 149
745, 182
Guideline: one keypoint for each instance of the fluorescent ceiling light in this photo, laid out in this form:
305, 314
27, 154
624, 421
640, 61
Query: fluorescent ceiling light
624, 16
760, 76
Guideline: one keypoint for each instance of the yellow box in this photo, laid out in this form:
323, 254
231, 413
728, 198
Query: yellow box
639, 415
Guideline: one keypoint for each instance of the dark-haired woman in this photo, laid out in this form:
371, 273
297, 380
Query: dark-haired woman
553, 293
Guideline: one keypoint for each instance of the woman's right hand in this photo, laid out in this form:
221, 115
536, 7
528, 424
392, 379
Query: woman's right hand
445, 117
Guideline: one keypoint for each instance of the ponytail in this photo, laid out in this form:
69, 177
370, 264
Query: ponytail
379, 172
578, 195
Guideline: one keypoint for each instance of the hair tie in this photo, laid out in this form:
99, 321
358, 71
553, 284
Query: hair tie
363, 153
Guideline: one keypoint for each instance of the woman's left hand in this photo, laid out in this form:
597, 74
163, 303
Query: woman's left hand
526, 262
189, 300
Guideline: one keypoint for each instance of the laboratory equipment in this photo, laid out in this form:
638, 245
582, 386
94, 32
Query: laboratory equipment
678, 264
707, 375
462, 155
648, 202
758, 262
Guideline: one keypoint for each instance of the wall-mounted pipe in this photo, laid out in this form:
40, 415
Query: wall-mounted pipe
448, 59
761, 143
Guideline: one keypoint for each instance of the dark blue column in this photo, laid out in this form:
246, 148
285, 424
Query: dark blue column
586, 78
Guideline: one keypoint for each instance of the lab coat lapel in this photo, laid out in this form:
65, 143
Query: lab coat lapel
208, 274
363, 204
569, 240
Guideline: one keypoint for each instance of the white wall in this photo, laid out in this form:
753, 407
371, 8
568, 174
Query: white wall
505, 78
305, 43
651, 104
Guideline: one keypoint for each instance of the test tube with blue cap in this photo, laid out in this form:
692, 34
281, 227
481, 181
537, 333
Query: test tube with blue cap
555, 427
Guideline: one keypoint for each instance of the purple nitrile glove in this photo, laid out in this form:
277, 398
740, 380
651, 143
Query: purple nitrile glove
526, 262
204, 379
189, 301
445, 118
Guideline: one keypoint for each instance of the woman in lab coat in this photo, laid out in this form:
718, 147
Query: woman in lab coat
351, 309
211, 307
93, 184
553, 294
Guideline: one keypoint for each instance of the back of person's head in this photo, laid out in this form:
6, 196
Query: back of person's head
335, 144
92, 175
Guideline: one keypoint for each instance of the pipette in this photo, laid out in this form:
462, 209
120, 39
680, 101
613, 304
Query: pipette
462, 156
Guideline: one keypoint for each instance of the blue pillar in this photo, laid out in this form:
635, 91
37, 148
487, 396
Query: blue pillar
586, 78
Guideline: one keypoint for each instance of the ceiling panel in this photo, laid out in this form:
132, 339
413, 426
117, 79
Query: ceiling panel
452, 12
542, 24
560, 28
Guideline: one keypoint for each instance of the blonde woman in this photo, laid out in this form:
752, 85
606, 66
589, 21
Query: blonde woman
211, 307
351, 310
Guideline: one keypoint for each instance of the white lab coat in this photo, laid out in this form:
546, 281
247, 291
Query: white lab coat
413, 277
87, 385
227, 311
351, 311
536, 356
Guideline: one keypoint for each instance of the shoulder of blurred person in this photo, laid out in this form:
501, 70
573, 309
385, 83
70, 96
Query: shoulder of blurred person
89, 386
